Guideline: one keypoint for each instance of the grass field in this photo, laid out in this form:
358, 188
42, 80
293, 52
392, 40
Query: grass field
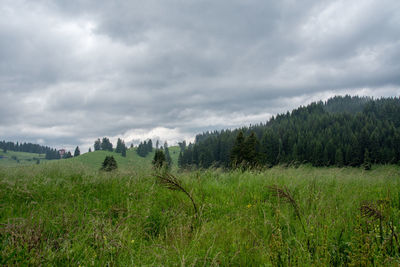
12, 158
69, 213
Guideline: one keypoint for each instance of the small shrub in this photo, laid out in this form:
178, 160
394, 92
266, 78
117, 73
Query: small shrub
109, 164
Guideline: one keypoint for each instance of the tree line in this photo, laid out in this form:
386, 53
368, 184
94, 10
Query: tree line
24, 147
343, 131
105, 144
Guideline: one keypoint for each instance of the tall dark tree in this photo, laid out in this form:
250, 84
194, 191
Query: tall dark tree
237, 151
150, 146
250, 150
159, 159
167, 155
77, 152
97, 145
106, 144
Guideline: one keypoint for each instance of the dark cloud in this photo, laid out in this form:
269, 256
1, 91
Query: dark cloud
72, 71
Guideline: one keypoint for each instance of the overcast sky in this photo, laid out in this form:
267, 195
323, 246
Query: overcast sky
72, 71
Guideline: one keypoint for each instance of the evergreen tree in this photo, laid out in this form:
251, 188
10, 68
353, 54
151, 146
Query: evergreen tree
237, 151
109, 164
90, 150
159, 159
118, 149
106, 144
77, 152
150, 146
167, 155
97, 145
250, 150
68, 155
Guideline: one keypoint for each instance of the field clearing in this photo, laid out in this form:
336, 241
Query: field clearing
71, 214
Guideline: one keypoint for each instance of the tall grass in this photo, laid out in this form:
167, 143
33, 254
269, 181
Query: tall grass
72, 215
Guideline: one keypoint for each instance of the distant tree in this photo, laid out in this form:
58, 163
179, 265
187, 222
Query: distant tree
167, 155
106, 144
68, 155
90, 150
250, 150
157, 144
109, 164
237, 150
182, 145
97, 145
77, 152
131, 145
150, 146
120, 144
159, 159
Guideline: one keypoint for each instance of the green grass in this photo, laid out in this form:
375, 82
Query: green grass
70, 213
13, 158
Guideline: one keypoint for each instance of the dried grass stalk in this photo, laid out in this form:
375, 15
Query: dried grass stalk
172, 183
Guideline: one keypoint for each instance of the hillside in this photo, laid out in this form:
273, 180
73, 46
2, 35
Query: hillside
343, 131
93, 160
13, 158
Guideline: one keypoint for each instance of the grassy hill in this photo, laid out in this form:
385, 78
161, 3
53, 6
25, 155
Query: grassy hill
13, 158
93, 160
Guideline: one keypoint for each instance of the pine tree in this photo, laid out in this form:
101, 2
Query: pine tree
250, 150
109, 164
90, 150
77, 152
237, 151
106, 144
97, 145
167, 155
159, 159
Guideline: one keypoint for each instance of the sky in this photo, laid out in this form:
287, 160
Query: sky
73, 71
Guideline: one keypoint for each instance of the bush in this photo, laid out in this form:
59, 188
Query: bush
109, 164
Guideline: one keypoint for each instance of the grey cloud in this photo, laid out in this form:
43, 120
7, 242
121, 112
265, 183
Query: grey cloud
71, 71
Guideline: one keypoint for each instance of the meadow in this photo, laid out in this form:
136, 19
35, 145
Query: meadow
69, 213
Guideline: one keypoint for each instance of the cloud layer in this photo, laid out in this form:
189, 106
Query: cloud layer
72, 71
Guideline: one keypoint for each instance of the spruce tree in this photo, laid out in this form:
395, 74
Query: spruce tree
159, 159
77, 152
109, 164
250, 150
237, 150
97, 145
